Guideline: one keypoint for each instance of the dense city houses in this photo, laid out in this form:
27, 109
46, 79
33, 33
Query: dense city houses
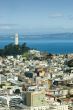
36, 81
39, 83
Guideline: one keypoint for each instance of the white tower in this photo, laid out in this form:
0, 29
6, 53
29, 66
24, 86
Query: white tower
16, 39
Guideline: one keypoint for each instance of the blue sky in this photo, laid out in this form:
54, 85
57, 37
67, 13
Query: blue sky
36, 16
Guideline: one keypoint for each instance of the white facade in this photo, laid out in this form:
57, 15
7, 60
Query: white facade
59, 107
62, 107
37, 108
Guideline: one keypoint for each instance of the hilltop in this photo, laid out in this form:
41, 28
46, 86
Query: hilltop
12, 49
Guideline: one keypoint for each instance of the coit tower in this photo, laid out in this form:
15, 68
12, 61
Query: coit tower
16, 39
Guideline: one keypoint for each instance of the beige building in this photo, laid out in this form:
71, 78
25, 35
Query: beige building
35, 100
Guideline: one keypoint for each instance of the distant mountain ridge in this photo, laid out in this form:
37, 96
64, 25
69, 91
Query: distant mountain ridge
44, 36
57, 36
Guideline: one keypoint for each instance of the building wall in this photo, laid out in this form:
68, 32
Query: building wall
36, 99
62, 107
28, 98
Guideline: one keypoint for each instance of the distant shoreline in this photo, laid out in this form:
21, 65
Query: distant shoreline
51, 43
